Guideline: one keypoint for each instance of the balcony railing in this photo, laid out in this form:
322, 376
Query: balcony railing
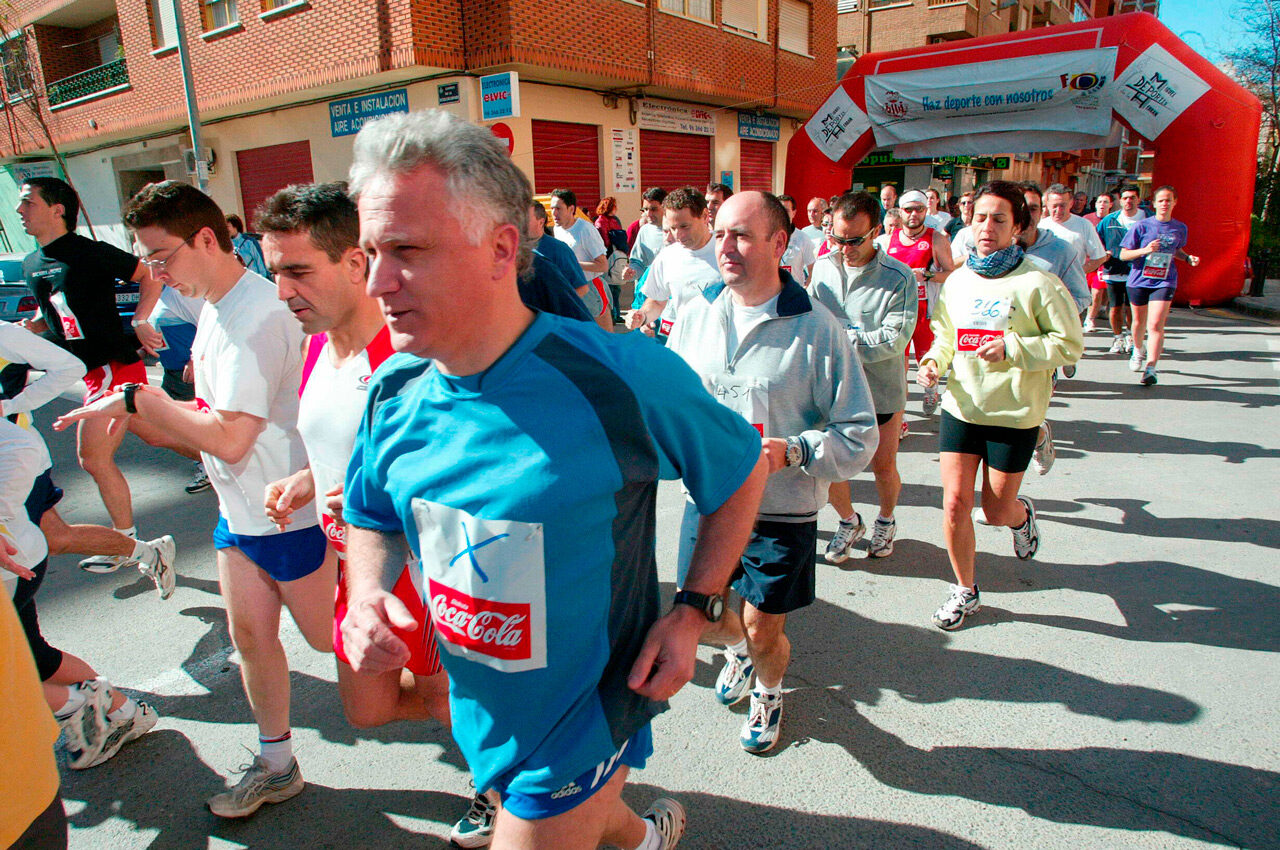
102, 78
878, 4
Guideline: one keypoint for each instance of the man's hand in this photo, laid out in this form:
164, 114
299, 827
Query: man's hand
370, 644
775, 452
150, 338
7, 551
285, 496
333, 502
666, 661
1153, 246
1193, 260
927, 376
628, 274
992, 351
189, 373
637, 319
110, 406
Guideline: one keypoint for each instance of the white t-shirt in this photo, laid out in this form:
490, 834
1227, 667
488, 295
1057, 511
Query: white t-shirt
800, 254
678, 274
815, 235
174, 306
329, 413
1138, 215
23, 456
881, 241
942, 217
585, 241
745, 318
962, 245
1080, 233
248, 359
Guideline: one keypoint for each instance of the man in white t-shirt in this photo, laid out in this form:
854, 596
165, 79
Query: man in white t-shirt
248, 363
817, 208
684, 269
1066, 225
582, 236
801, 251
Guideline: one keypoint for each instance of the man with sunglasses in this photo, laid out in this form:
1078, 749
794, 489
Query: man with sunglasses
874, 297
74, 281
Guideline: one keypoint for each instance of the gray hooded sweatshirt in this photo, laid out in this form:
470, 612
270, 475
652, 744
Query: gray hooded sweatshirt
877, 305
792, 375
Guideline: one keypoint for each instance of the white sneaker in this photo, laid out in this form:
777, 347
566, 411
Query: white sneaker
1128, 342
259, 785
882, 534
1117, 345
848, 532
1089, 326
735, 677
86, 727
764, 723
1148, 375
1137, 360
162, 572
199, 481
1045, 454
930, 404
475, 829
103, 564
1026, 537
668, 818
124, 730
961, 603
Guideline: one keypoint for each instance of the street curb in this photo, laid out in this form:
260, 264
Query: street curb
1246, 306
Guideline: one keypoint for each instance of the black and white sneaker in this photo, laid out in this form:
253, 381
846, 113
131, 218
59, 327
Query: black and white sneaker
1026, 537
961, 603
199, 481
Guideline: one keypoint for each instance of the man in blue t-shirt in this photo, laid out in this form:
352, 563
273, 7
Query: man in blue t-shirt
517, 455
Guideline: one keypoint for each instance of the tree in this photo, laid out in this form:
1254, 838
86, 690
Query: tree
1256, 63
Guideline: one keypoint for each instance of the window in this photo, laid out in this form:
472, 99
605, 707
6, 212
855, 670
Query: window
741, 15
15, 66
268, 5
700, 9
793, 26
216, 14
164, 29
843, 6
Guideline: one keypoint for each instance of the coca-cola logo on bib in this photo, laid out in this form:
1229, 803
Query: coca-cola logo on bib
497, 629
971, 339
335, 532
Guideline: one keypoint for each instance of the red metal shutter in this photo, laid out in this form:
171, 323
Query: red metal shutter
265, 171
567, 156
672, 160
756, 166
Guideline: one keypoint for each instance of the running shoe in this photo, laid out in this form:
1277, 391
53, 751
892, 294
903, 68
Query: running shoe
961, 603
162, 572
1026, 537
476, 827
1069, 371
1137, 360
848, 532
86, 727
764, 722
1053, 380
930, 404
1045, 453
882, 534
103, 564
1148, 375
1128, 343
124, 730
1089, 326
668, 818
735, 677
259, 785
1117, 345
905, 430
199, 481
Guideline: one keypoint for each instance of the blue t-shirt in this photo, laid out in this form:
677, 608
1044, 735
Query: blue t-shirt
1162, 264
528, 492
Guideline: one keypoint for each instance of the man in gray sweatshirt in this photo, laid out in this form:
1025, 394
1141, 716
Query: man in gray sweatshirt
782, 361
874, 297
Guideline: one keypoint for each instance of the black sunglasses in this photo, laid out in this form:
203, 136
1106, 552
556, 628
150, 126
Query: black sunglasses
852, 241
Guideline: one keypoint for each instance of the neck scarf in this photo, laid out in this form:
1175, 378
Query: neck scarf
997, 264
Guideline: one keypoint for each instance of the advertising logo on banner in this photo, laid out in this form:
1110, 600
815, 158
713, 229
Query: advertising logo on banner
626, 171
1060, 91
837, 124
346, 117
676, 118
500, 96
1154, 90
765, 128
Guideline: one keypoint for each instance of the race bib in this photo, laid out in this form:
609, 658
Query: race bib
1157, 265
922, 292
335, 532
664, 326
485, 586
988, 319
71, 329
748, 397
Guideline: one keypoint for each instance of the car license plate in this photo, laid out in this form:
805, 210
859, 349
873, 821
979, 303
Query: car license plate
126, 297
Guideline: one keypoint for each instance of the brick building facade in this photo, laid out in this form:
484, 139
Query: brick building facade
271, 78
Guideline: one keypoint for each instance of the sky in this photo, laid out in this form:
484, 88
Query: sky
1207, 26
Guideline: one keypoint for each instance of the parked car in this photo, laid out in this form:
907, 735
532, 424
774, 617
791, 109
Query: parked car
17, 302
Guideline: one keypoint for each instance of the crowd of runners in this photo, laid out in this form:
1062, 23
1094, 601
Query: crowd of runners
429, 447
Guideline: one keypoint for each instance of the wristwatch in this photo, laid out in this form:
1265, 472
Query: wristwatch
130, 394
795, 451
711, 605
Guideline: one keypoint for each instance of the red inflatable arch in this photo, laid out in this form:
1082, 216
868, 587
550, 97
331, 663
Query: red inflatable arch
1057, 88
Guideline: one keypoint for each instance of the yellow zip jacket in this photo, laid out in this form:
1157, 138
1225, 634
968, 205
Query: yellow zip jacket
1041, 328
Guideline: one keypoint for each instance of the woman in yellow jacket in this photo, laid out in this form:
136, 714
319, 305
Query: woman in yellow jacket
1001, 326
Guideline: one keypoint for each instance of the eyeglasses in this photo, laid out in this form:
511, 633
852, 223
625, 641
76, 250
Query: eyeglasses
851, 241
154, 264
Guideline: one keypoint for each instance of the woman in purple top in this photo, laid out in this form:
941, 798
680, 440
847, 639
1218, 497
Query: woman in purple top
1151, 246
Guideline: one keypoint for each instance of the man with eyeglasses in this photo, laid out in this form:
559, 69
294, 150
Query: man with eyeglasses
874, 297
74, 281
248, 361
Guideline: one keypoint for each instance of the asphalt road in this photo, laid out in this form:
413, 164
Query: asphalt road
1119, 691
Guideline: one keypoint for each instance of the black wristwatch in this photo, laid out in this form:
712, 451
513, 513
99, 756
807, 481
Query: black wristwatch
711, 605
130, 394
